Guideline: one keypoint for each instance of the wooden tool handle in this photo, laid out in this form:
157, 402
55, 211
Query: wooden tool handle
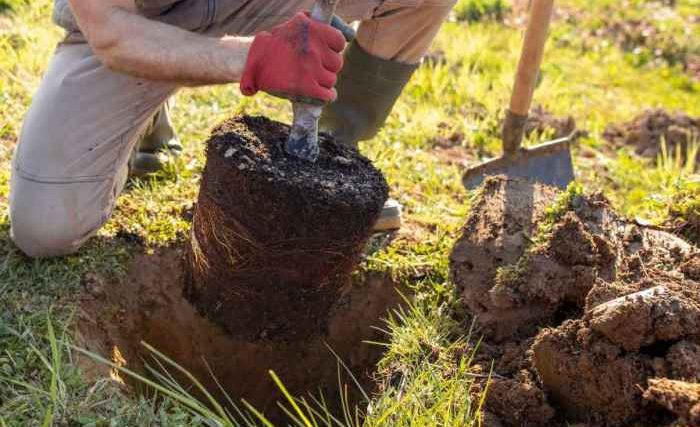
531, 57
528, 72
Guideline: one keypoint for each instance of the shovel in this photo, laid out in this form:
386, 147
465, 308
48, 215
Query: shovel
548, 163
303, 138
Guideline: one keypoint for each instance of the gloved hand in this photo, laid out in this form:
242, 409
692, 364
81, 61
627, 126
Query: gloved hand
298, 60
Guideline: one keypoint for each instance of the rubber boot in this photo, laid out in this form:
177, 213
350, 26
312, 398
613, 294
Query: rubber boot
158, 143
368, 87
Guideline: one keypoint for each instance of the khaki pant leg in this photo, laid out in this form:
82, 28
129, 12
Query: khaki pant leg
396, 30
253, 16
71, 161
403, 30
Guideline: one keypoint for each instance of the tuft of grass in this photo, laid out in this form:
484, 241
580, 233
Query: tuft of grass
684, 210
564, 203
478, 10
651, 191
426, 377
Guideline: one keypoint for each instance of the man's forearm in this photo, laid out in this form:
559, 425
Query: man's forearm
156, 51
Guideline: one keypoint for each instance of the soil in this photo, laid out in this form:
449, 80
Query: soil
541, 122
647, 132
275, 238
148, 305
679, 397
579, 308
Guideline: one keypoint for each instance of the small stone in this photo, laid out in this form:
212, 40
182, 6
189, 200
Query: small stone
342, 160
242, 167
247, 159
230, 152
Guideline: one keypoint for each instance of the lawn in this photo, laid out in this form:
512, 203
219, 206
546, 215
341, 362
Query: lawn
599, 69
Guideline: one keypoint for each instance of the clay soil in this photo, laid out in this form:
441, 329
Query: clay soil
148, 305
276, 238
647, 132
588, 319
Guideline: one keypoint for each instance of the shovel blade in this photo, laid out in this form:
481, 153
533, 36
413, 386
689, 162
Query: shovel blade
549, 163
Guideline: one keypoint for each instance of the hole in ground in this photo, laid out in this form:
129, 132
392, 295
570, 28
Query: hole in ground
148, 306
657, 349
568, 310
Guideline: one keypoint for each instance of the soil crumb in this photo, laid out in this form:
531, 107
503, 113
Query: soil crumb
579, 308
648, 131
148, 305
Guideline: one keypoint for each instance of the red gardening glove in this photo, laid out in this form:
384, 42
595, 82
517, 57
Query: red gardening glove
299, 59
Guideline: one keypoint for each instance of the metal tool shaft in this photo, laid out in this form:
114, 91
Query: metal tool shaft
303, 139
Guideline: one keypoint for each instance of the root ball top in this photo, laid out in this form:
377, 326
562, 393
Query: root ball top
254, 146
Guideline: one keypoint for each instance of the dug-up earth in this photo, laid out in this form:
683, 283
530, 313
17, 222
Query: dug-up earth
588, 319
647, 133
149, 306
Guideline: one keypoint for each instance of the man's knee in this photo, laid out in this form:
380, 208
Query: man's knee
49, 220
39, 239
403, 31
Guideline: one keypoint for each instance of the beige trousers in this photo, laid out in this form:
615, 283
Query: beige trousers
71, 162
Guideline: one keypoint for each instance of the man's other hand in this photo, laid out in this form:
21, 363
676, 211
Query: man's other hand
299, 59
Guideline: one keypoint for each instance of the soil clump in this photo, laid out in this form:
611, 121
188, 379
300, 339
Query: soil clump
580, 309
679, 397
149, 305
647, 132
541, 122
275, 238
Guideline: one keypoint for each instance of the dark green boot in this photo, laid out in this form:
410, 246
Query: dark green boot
152, 151
368, 87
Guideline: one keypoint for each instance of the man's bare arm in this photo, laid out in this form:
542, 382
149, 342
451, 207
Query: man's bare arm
129, 43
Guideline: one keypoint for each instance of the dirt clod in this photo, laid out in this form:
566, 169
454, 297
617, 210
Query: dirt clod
577, 306
587, 378
679, 397
519, 399
649, 130
646, 317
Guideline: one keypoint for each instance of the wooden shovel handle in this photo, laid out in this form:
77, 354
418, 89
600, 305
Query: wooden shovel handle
526, 78
531, 57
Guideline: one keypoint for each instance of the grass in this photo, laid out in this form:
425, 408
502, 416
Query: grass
425, 373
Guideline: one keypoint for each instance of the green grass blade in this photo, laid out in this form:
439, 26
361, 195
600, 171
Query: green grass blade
290, 399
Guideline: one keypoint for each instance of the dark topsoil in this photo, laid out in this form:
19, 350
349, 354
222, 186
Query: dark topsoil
592, 319
649, 130
275, 238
